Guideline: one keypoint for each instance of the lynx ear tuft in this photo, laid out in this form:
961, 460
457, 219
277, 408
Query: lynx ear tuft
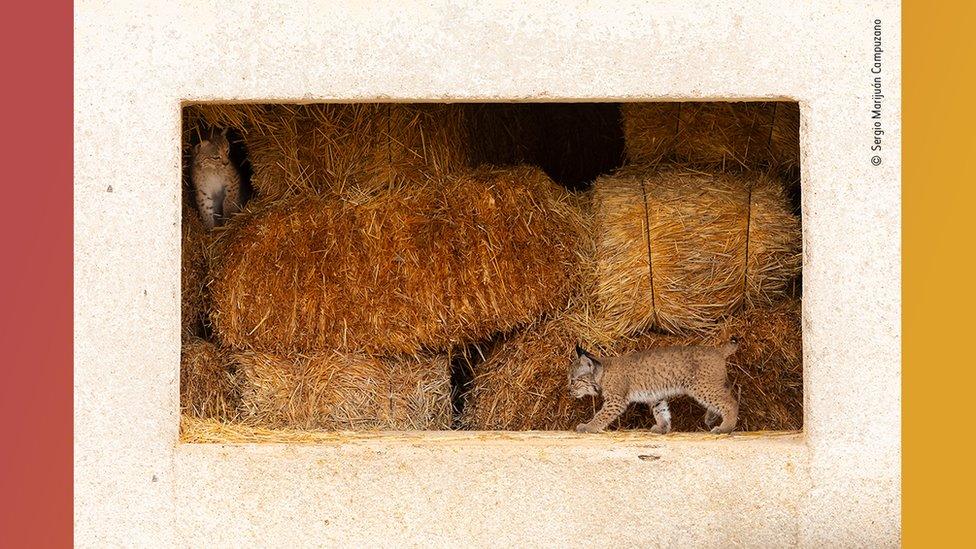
579, 351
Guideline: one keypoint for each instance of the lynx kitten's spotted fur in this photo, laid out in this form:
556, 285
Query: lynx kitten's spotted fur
653, 376
215, 179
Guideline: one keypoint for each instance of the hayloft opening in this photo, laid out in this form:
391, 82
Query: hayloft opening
417, 266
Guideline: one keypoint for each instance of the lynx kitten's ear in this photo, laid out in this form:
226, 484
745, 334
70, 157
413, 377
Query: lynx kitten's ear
588, 364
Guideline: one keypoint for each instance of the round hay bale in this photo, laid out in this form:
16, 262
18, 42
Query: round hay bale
331, 148
336, 391
680, 250
208, 388
193, 273
427, 266
750, 135
523, 383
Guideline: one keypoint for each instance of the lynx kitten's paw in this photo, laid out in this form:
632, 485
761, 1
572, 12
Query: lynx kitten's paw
711, 418
585, 428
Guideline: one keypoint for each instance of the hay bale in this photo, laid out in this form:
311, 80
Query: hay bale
193, 273
330, 148
208, 388
784, 140
766, 370
680, 250
750, 135
650, 131
202, 117
378, 144
426, 266
336, 391
523, 383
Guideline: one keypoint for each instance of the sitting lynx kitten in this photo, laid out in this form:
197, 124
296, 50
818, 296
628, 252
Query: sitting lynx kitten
215, 178
653, 376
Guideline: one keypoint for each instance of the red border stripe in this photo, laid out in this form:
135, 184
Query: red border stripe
36, 278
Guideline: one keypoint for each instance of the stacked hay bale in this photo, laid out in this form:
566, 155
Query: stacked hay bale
326, 157
208, 386
343, 148
193, 272
679, 250
371, 253
375, 253
683, 254
522, 385
427, 266
345, 391
766, 370
360, 286
750, 135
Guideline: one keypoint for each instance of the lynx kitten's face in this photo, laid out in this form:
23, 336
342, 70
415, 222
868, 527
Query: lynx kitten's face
581, 378
214, 151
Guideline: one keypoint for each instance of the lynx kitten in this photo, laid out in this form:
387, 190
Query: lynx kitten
653, 376
215, 178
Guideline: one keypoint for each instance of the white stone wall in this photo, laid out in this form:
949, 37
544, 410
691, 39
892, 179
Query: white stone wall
135, 484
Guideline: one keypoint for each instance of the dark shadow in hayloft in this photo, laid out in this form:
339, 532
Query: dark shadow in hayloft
574, 143
462, 375
239, 156
582, 141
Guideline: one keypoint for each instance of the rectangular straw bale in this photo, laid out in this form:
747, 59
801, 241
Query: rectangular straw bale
193, 273
784, 141
523, 383
335, 391
427, 266
208, 383
328, 148
679, 250
766, 371
745, 135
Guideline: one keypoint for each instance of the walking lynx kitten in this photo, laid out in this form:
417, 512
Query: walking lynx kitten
215, 178
653, 376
